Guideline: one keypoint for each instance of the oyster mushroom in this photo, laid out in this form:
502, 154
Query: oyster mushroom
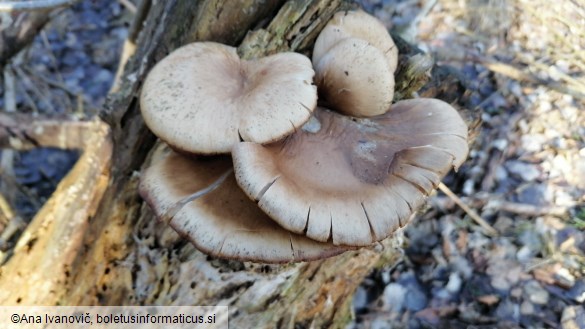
224, 222
203, 98
355, 59
355, 79
356, 24
354, 181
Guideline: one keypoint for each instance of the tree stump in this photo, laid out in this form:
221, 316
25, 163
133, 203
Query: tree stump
96, 243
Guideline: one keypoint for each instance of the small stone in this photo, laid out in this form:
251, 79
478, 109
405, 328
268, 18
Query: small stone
501, 174
469, 187
415, 300
503, 224
577, 293
564, 277
516, 293
564, 198
380, 324
500, 144
528, 172
360, 298
573, 317
531, 239
545, 106
560, 143
526, 308
441, 294
488, 300
515, 88
461, 265
454, 284
504, 273
534, 194
507, 310
385, 275
535, 293
533, 142
524, 254
428, 316
394, 295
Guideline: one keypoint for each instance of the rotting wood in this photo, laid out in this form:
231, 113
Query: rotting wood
39, 267
24, 132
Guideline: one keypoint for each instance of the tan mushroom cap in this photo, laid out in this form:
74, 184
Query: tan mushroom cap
224, 223
354, 78
356, 24
354, 181
203, 98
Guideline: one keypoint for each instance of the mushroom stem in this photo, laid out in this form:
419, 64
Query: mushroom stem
174, 209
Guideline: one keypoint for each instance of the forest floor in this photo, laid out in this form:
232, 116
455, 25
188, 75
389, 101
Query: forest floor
520, 62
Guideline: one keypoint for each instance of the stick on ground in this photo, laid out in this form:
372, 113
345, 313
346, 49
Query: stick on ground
480, 221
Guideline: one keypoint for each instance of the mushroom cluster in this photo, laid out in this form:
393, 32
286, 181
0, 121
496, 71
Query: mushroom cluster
305, 180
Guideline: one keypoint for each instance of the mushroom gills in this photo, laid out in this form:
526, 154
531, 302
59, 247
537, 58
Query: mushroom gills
223, 222
354, 181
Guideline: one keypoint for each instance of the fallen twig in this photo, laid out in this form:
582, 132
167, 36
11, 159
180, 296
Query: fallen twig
51, 54
493, 203
15, 224
129, 47
5, 212
11, 182
9, 91
49, 81
40, 91
531, 210
517, 74
18, 34
7, 156
128, 5
488, 228
23, 132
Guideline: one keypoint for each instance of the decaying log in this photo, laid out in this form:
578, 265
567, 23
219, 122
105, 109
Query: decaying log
42, 257
24, 132
96, 243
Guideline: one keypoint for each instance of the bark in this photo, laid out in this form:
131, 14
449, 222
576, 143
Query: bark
96, 243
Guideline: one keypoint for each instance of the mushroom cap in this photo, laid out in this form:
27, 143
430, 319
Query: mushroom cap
355, 79
354, 181
202, 98
225, 222
356, 24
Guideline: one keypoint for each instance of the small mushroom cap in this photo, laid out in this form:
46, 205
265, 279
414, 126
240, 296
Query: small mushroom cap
356, 24
355, 79
225, 222
354, 181
202, 98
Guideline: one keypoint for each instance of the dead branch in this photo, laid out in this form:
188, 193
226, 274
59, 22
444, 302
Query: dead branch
49, 244
472, 213
25, 132
6, 212
576, 89
129, 47
20, 32
531, 210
